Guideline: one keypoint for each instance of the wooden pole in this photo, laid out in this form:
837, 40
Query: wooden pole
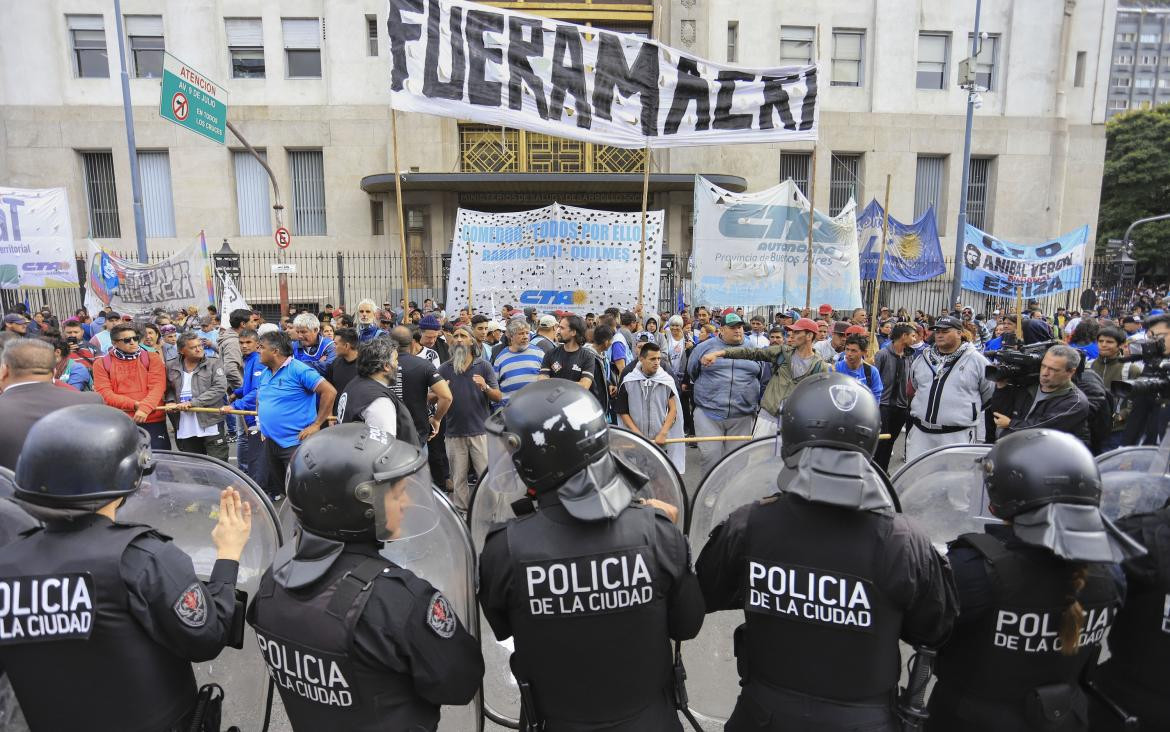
401, 215
469, 312
812, 186
877, 282
645, 203
1020, 315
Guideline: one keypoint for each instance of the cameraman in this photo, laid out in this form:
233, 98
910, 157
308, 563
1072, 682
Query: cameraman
1055, 402
1147, 422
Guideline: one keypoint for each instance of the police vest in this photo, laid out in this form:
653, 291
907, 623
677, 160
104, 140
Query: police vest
306, 638
77, 657
580, 587
364, 391
1139, 645
818, 620
1015, 646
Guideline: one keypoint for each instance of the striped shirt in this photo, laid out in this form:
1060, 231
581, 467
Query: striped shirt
516, 370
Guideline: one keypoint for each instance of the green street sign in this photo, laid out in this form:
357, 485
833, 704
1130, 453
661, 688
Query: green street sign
191, 100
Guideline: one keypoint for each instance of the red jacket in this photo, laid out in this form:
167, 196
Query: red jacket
130, 385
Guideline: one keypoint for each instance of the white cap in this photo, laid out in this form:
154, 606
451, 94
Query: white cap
267, 328
494, 325
547, 321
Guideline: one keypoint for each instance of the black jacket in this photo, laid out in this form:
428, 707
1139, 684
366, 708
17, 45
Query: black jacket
1067, 410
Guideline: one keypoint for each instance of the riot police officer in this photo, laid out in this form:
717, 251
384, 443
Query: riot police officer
1139, 645
352, 640
1036, 596
111, 614
829, 577
592, 585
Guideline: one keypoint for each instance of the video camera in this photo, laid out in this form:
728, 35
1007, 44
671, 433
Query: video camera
1155, 379
1018, 364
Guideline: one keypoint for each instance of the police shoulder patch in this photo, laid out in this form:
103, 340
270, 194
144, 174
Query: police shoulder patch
191, 607
440, 616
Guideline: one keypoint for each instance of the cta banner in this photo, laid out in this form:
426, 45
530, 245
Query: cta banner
752, 249
913, 251
36, 239
491, 65
131, 288
997, 267
554, 258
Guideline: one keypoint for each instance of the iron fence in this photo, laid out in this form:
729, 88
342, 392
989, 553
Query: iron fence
344, 278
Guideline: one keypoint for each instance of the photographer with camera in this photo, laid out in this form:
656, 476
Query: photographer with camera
1147, 394
1054, 402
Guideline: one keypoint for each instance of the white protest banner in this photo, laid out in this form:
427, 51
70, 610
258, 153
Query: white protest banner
752, 249
36, 239
230, 300
554, 258
486, 64
130, 288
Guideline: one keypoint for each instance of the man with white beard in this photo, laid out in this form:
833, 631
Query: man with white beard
474, 386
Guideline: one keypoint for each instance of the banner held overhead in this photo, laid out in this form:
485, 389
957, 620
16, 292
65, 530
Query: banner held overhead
997, 267
913, 254
495, 66
36, 239
130, 288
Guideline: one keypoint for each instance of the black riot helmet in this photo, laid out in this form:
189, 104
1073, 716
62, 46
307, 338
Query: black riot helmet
829, 410
109, 462
1032, 468
553, 429
353, 482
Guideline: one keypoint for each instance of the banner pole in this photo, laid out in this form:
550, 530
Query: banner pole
469, 312
812, 185
1020, 314
645, 203
877, 282
401, 215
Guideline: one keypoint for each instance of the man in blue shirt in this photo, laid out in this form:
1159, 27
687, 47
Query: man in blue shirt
850, 363
519, 364
293, 402
311, 347
250, 450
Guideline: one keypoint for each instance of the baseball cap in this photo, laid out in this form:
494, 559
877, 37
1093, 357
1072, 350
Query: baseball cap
825, 309
1132, 319
428, 322
15, 319
805, 324
547, 321
732, 319
856, 330
840, 327
494, 325
168, 328
947, 322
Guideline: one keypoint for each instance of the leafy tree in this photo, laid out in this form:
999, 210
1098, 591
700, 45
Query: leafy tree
1137, 184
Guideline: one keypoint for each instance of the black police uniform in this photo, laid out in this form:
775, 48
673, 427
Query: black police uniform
1134, 676
1003, 668
367, 646
826, 591
100, 621
592, 606
363, 391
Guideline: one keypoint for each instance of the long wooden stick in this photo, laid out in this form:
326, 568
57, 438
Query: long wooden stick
1020, 314
469, 305
645, 203
812, 186
877, 283
214, 410
401, 215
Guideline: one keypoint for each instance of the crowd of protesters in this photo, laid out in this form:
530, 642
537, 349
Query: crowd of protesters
433, 377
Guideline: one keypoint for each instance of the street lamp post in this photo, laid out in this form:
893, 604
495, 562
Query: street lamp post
961, 231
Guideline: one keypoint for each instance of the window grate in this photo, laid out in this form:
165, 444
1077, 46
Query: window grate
308, 179
102, 193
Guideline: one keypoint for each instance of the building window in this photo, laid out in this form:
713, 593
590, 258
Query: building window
985, 62
88, 36
1166, 60
978, 183
928, 186
158, 203
1146, 83
302, 47
1126, 37
1121, 82
1119, 104
102, 194
308, 182
245, 37
377, 217
252, 202
1150, 60
1151, 38
1124, 60
1079, 70
418, 241
144, 38
848, 49
796, 45
1164, 83
371, 35
933, 52
795, 165
732, 41
844, 181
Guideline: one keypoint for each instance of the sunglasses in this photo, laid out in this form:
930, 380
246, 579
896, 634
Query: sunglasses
131, 339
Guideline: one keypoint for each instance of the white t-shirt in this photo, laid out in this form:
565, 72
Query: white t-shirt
189, 421
382, 415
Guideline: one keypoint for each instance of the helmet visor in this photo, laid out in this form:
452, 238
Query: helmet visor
404, 507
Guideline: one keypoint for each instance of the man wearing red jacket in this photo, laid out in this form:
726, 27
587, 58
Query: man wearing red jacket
134, 380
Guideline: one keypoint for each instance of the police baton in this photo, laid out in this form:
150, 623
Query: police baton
912, 702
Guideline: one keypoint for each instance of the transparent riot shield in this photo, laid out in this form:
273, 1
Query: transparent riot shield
942, 491
1133, 480
498, 488
445, 558
181, 500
